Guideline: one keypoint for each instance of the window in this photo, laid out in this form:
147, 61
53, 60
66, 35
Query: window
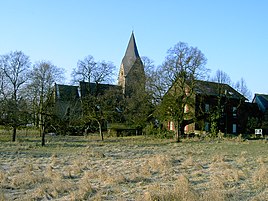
234, 128
206, 107
171, 126
234, 111
206, 126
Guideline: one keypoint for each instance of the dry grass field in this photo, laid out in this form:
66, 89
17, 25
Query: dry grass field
133, 168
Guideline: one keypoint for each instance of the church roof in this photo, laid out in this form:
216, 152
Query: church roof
131, 55
71, 93
93, 89
66, 92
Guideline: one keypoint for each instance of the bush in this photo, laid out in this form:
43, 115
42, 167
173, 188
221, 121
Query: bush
150, 130
157, 132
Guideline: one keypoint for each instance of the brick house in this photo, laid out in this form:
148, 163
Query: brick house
218, 100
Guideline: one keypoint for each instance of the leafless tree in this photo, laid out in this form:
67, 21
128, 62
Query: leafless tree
89, 70
42, 79
156, 85
150, 77
182, 67
15, 68
241, 87
222, 78
148, 65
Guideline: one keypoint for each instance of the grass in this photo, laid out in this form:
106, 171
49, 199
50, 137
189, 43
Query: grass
132, 168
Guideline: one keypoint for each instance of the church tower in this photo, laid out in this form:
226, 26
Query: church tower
131, 74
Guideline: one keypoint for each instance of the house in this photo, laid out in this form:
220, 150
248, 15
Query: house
261, 100
215, 103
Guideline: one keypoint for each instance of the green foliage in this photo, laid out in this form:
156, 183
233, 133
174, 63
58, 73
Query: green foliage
214, 118
121, 126
151, 130
137, 108
252, 123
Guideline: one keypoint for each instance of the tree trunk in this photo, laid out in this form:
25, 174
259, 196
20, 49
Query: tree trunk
43, 139
14, 133
42, 128
180, 131
101, 134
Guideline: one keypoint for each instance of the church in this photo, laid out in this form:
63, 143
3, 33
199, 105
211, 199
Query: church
131, 77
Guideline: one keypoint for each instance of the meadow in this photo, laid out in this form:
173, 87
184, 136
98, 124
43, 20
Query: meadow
132, 168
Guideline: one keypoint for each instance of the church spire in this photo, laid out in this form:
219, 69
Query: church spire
131, 73
131, 54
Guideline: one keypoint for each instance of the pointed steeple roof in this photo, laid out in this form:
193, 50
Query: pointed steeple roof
131, 54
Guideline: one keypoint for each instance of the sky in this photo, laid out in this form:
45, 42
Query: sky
232, 34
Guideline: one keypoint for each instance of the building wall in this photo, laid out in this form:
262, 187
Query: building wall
135, 79
121, 78
226, 113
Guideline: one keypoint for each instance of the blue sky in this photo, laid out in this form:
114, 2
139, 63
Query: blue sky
233, 34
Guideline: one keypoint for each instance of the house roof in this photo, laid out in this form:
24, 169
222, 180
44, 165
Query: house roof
262, 101
216, 89
70, 92
131, 55
93, 88
66, 92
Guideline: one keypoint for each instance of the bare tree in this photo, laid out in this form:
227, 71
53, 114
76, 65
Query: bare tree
241, 87
42, 78
14, 75
150, 75
222, 78
155, 85
84, 68
104, 72
90, 71
182, 67
148, 65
